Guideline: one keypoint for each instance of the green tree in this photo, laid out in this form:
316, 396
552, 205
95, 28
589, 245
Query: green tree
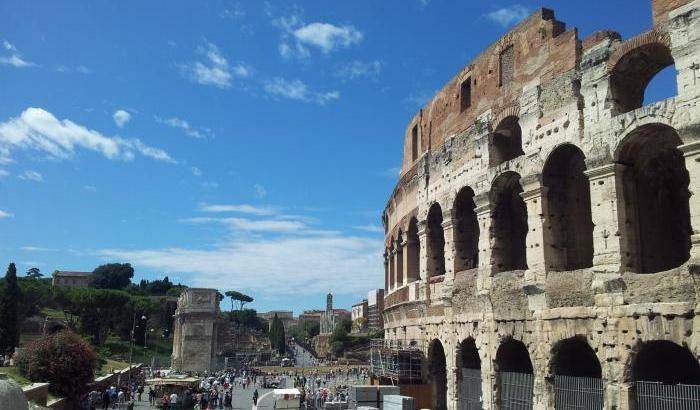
34, 273
112, 276
239, 297
277, 336
9, 310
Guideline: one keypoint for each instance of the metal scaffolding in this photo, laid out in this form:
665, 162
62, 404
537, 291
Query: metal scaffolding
397, 361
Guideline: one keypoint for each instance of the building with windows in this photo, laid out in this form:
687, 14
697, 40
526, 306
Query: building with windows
358, 315
71, 279
543, 239
375, 309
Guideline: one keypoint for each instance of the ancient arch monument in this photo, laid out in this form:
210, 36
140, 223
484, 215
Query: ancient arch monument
545, 229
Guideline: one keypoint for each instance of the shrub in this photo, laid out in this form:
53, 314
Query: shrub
64, 360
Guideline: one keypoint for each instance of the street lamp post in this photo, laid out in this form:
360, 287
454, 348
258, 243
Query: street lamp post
131, 343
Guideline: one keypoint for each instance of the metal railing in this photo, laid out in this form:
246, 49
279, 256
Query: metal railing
516, 390
470, 390
578, 393
660, 396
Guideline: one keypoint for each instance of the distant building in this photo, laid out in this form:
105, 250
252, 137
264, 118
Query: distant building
332, 317
359, 317
375, 309
310, 316
71, 279
286, 316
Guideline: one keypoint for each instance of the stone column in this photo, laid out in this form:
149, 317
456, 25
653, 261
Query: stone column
691, 152
407, 247
483, 217
392, 269
423, 245
398, 263
449, 255
386, 272
607, 210
534, 194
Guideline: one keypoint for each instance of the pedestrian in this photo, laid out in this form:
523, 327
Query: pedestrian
255, 397
106, 399
173, 400
152, 396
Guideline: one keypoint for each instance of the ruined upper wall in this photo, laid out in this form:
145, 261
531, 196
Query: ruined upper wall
541, 50
661, 8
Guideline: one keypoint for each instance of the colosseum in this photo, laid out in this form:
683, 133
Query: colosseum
543, 240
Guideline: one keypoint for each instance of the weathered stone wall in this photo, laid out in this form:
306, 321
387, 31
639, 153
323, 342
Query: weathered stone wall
585, 152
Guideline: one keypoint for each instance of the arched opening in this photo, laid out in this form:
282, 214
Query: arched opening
399, 259
655, 200
577, 375
412, 251
469, 375
466, 231
436, 242
505, 143
509, 223
633, 73
570, 244
665, 376
515, 375
438, 375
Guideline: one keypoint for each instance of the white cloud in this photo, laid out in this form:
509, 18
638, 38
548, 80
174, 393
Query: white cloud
39, 130
196, 171
298, 90
369, 228
358, 69
185, 126
327, 37
508, 15
5, 214
90, 188
15, 58
35, 249
3, 173
31, 176
240, 208
215, 70
210, 184
121, 117
286, 264
81, 69
260, 191
8, 46
297, 36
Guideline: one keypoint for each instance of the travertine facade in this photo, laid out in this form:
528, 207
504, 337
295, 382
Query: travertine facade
547, 222
200, 332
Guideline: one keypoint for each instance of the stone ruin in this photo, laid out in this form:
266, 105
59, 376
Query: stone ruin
544, 235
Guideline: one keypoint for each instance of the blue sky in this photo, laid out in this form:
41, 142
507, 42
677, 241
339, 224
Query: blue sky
233, 144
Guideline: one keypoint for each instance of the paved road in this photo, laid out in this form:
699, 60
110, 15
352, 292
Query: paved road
242, 399
302, 356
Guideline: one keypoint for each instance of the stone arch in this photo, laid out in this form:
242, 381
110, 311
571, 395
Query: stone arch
634, 64
663, 361
466, 226
515, 375
437, 374
436, 241
469, 375
574, 357
568, 210
654, 199
508, 223
505, 142
387, 272
412, 251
